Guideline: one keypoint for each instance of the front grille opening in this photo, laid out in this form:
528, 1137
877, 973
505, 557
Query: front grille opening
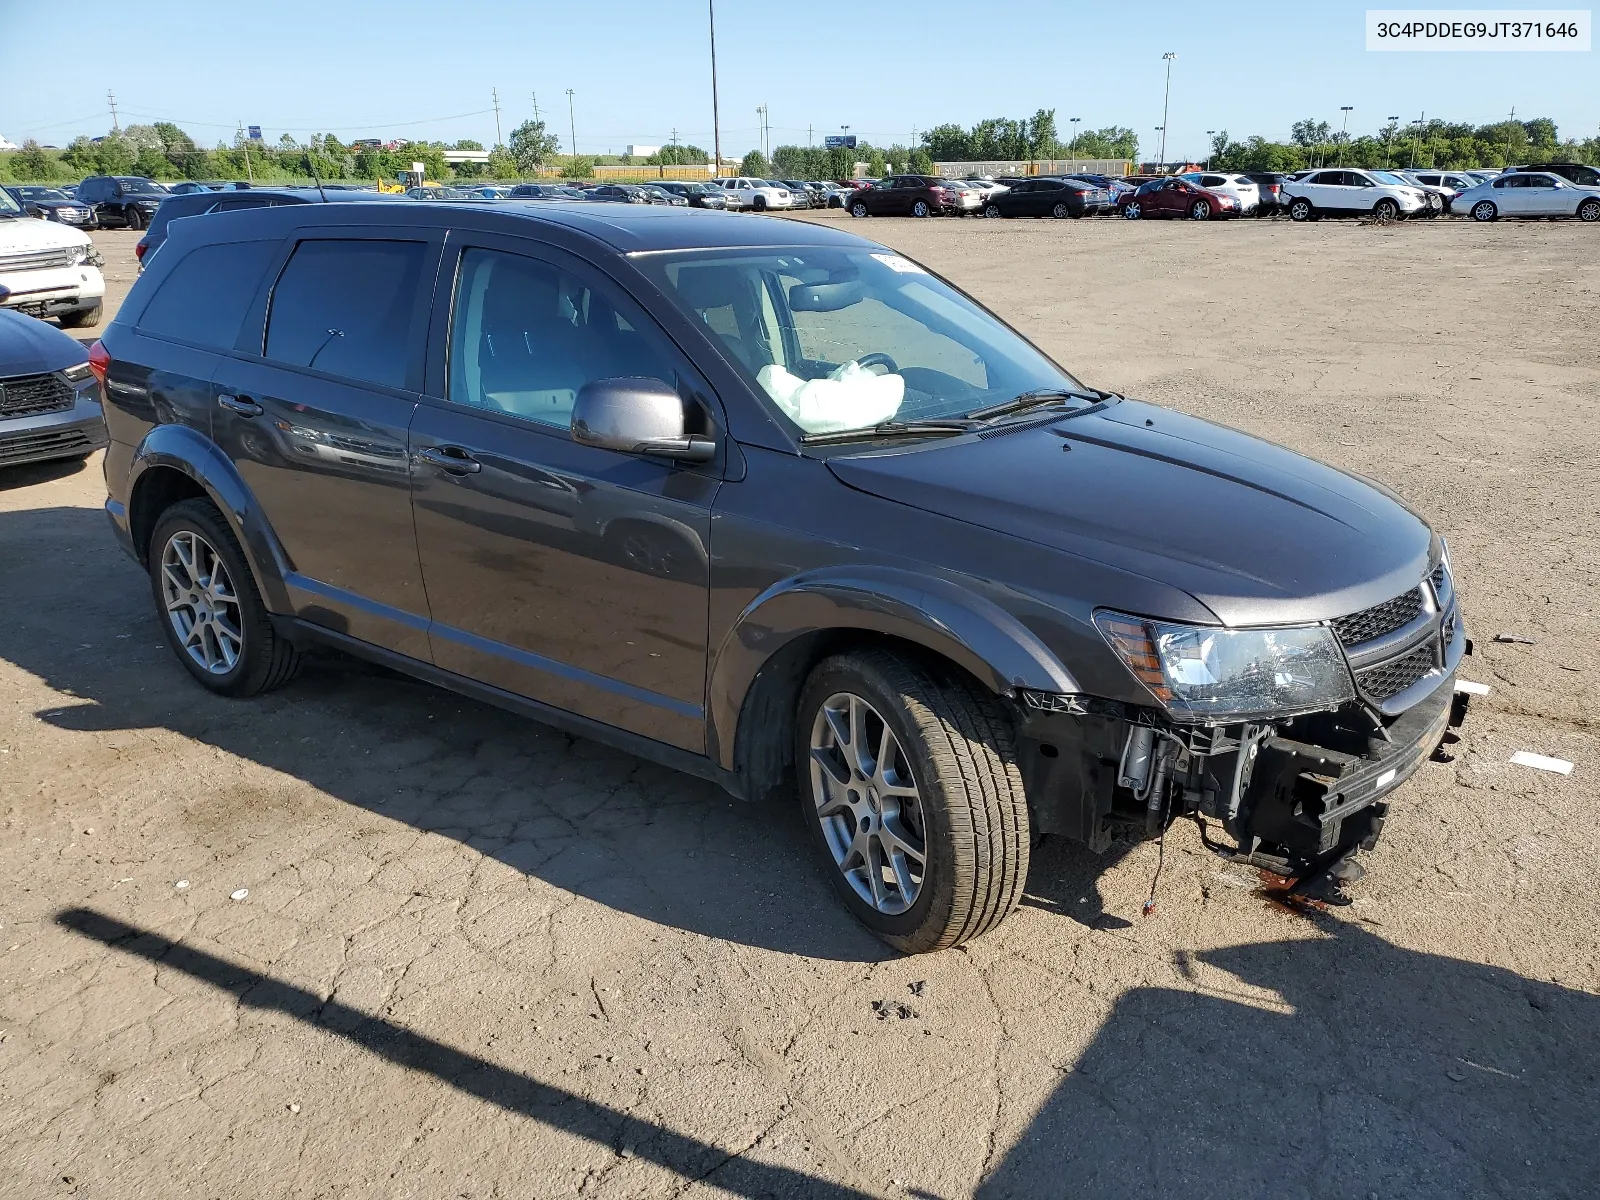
30, 395
1395, 676
1378, 620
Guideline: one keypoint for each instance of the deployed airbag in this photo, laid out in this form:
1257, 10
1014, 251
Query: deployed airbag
851, 397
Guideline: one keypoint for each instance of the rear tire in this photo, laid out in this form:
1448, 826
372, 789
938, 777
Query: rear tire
992, 210
952, 747
1485, 210
1061, 212
1300, 210
1131, 212
920, 209
83, 318
265, 660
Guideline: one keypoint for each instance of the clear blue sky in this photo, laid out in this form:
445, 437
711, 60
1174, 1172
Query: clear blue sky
639, 69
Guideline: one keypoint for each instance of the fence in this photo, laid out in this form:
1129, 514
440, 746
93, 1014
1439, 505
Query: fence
642, 173
1039, 166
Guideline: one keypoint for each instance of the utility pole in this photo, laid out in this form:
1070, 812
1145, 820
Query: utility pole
1074, 146
245, 142
112, 100
1388, 132
1165, 103
716, 125
1508, 136
1210, 147
1344, 131
498, 140
1416, 138
761, 129
535, 96
808, 137
572, 124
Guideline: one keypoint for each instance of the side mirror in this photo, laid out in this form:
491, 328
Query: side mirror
637, 416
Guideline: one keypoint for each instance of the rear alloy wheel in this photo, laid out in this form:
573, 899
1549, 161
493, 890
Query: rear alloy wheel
1201, 211
920, 209
991, 210
1484, 210
910, 788
1589, 210
1131, 211
858, 209
211, 612
1386, 211
1300, 210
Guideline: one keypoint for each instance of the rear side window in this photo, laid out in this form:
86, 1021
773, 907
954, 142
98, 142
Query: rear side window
345, 307
205, 297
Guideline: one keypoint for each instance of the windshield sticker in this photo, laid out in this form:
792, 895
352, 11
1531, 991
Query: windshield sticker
903, 265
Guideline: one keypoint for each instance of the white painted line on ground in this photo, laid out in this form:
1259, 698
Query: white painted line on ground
1540, 763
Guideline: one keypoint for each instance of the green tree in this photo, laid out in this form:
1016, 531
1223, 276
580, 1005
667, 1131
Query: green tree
921, 162
82, 156
532, 145
114, 155
948, 143
502, 165
32, 164
877, 167
1041, 134
755, 164
577, 168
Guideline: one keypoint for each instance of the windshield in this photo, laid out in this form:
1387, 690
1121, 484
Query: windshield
1390, 178
8, 204
140, 187
842, 338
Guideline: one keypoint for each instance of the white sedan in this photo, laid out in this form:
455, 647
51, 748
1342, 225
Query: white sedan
1529, 194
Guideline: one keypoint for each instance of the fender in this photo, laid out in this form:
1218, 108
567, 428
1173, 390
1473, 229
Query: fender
191, 452
970, 630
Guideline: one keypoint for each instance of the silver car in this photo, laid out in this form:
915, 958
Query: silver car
1529, 194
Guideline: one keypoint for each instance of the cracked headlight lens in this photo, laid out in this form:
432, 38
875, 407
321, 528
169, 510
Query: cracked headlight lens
1201, 672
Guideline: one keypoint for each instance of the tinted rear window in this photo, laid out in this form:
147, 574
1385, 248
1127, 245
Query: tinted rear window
345, 307
205, 297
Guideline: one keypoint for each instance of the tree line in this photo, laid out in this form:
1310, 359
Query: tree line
164, 151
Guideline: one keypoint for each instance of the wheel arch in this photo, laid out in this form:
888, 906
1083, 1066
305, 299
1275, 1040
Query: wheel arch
176, 463
763, 661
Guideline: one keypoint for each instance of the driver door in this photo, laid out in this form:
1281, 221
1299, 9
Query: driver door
568, 574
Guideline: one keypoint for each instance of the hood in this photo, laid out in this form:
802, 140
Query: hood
29, 347
1256, 533
20, 234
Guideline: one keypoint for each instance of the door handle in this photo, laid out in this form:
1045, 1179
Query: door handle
242, 405
451, 458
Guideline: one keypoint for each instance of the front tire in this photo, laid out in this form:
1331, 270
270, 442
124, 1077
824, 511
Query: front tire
1201, 211
83, 318
1485, 210
1386, 210
858, 209
208, 605
1300, 210
1589, 210
909, 785
133, 218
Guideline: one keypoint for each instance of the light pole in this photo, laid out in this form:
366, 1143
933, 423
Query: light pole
761, 131
716, 123
1388, 132
1210, 146
1344, 131
1167, 58
1416, 138
1161, 166
572, 125
1074, 146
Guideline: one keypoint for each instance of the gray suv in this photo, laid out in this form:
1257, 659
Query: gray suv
789, 512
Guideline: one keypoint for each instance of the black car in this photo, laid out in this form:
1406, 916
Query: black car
193, 204
619, 193
1579, 173
546, 191
51, 204
49, 397
1047, 196
699, 195
661, 195
813, 195
673, 481
121, 201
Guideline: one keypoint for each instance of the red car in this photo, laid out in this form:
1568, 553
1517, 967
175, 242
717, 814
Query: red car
1174, 197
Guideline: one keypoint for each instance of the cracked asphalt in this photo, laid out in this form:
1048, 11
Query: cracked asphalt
478, 958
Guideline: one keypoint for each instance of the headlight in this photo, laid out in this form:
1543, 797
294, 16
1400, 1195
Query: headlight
1201, 672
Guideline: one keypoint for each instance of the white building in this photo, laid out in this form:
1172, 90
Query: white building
5, 145
643, 151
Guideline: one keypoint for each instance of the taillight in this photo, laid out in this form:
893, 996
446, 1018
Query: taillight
99, 361
139, 248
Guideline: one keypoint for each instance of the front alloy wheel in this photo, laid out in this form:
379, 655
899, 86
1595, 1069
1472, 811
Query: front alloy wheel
910, 788
858, 209
1386, 210
201, 603
1589, 210
1201, 211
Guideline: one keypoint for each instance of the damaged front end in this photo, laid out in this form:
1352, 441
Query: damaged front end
1363, 701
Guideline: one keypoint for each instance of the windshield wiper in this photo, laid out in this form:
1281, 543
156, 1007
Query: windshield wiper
1034, 399
951, 427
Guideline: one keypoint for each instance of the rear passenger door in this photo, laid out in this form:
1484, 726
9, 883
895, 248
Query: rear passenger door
313, 408
568, 574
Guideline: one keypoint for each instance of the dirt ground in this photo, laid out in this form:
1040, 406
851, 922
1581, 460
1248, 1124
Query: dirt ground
481, 959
